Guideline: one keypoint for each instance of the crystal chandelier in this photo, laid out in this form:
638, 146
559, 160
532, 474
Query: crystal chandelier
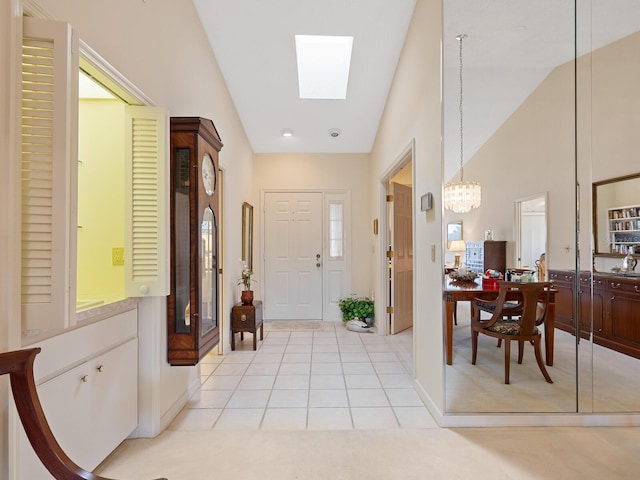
461, 197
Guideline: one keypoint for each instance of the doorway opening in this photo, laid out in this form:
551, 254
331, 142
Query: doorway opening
397, 240
531, 230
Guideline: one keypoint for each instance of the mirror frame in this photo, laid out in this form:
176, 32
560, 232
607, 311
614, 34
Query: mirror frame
247, 234
454, 232
594, 211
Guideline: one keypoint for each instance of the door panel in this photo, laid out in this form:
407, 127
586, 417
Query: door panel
402, 317
293, 240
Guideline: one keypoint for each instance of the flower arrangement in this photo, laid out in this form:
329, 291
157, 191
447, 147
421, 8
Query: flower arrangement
245, 278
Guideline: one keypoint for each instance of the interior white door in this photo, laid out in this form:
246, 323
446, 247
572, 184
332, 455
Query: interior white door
402, 262
531, 230
293, 256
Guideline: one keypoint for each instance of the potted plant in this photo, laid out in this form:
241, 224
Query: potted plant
360, 308
246, 296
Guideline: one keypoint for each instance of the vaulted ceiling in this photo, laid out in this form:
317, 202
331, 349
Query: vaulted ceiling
512, 45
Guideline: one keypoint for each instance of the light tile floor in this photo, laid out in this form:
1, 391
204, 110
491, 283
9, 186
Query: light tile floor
307, 376
289, 412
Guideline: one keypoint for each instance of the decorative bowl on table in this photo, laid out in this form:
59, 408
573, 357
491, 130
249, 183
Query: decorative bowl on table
463, 275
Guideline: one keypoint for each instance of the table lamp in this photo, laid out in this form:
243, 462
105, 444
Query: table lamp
457, 246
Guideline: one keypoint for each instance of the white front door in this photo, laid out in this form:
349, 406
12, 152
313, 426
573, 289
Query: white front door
293, 256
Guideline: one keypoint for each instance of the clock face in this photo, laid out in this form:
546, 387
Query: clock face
208, 174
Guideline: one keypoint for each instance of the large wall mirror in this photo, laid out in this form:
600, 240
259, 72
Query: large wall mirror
611, 144
535, 119
247, 235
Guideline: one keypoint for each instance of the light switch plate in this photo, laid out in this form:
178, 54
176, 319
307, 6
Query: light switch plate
117, 256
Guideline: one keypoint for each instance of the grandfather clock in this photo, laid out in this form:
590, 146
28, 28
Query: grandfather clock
192, 308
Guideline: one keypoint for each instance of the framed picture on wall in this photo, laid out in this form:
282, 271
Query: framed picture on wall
454, 232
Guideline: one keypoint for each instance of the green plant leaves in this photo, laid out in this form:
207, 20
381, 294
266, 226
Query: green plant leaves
356, 308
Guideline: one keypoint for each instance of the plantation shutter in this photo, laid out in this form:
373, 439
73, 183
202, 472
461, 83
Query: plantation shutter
146, 242
49, 110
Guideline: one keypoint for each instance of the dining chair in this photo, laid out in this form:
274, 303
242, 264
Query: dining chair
517, 320
18, 365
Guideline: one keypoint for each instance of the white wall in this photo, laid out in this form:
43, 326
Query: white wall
161, 48
9, 221
323, 171
413, 113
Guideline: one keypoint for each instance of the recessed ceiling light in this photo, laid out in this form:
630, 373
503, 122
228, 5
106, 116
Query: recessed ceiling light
323, 66
335, 132
287, 132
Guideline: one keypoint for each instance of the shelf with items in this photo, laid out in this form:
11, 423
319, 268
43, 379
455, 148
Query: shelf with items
624, 228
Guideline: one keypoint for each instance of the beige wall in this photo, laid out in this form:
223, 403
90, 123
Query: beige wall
160, 47
533, 151
178, 71
615, 105
614, 141
324, 171
413, 114
9, 268
101, 197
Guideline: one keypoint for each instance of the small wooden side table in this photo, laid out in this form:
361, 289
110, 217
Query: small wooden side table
246, 318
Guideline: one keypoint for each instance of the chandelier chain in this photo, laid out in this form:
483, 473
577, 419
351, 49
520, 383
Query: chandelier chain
460, 38
464, 196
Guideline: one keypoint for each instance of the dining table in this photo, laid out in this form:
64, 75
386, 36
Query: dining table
466, 291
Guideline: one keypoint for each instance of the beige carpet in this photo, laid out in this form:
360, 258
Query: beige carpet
486, 453
609, 381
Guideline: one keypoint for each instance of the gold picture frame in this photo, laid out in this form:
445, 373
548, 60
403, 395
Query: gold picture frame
247, 234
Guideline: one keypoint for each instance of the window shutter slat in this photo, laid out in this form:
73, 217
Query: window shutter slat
46, 100
146, 203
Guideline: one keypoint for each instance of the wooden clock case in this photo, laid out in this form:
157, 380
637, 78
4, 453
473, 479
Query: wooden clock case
193, 327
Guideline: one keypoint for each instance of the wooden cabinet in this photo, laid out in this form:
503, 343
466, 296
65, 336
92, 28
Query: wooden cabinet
193, 302
481, 256
624, 228
563, 282
622, 316
613, 305
246, 318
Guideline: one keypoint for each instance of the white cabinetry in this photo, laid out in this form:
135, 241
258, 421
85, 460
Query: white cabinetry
91, 403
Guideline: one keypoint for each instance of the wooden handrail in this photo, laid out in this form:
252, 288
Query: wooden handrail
19, 365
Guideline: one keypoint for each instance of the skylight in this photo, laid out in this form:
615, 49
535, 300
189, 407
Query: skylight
323, 66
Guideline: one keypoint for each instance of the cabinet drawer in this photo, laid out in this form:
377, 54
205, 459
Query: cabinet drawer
558, 276
623, 285
243, 317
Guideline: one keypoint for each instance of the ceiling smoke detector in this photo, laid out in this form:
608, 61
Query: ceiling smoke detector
335, 132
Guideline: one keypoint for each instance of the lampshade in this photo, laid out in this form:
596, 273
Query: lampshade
462, 197
457, 246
